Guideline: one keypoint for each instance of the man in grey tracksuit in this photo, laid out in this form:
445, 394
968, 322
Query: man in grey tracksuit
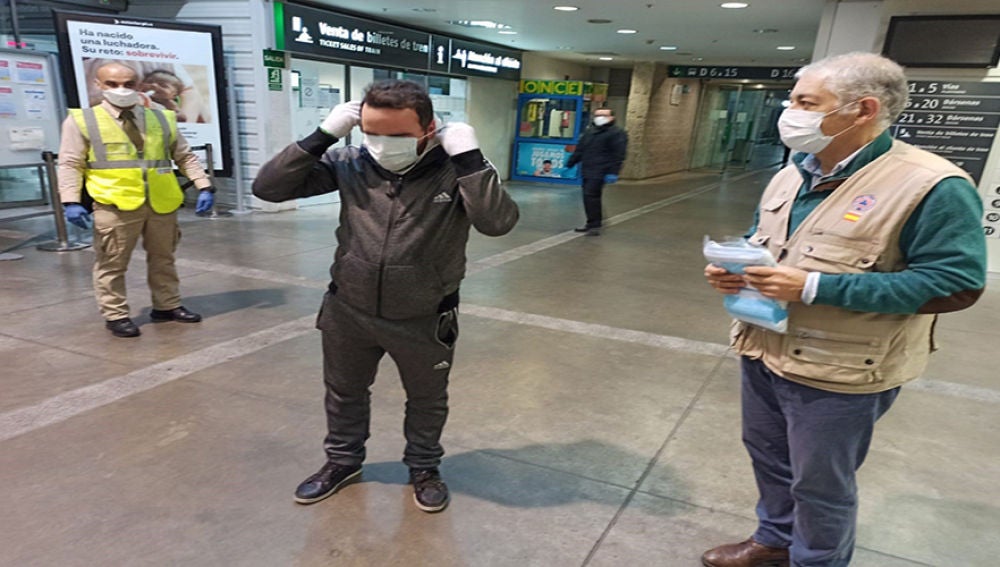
409, 195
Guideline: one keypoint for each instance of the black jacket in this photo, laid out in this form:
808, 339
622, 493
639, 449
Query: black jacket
601, 151
401, 239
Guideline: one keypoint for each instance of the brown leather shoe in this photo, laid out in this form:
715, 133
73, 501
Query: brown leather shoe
747, 553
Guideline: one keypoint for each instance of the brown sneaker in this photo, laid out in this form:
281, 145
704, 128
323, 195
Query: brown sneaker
747, 553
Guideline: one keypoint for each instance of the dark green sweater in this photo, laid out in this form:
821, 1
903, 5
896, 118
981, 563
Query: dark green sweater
942, 243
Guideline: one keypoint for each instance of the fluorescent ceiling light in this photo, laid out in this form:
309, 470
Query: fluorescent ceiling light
606, 58
488, 24
508, 32
733, 5
627, 31
786, 47
565, 8
668, 47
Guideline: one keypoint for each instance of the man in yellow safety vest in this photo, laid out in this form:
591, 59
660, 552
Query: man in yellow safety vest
124, 151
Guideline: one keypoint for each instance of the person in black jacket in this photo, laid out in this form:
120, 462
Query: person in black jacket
600, 152
409, 196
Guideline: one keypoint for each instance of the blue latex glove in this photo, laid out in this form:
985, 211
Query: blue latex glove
206, 199
77, 215
610, 178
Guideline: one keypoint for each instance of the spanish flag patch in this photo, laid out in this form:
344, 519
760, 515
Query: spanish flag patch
852, 217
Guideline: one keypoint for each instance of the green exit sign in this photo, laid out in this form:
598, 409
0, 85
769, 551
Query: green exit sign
274, 58
274, 82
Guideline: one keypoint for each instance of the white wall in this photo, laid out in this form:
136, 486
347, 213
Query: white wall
492, 112
846, 27
535, 66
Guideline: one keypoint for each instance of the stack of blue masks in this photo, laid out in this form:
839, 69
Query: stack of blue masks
749, 305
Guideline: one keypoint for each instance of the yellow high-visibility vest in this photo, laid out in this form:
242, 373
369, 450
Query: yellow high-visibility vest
116, 173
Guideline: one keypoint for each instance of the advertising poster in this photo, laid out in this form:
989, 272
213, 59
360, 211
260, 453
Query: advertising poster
545, 162
179, 67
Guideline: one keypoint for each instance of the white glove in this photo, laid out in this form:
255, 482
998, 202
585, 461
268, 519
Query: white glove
457, 138
342, 119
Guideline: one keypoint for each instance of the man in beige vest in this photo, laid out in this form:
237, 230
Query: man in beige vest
124, 152
873, 239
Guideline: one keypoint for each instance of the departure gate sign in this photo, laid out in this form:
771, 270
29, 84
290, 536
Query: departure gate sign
957, 120
728, 72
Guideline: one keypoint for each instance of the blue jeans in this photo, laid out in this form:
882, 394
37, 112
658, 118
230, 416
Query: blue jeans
806, 445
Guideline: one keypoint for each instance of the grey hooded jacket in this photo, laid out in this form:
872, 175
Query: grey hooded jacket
401, 239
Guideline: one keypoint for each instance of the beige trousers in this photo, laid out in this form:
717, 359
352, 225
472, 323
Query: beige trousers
116, 233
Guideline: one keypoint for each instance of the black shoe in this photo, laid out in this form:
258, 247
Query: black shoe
123, 328
178, 314
581, 229
589, 230
325, 482
429, 492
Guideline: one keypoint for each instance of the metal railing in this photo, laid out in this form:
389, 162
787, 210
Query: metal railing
62, 243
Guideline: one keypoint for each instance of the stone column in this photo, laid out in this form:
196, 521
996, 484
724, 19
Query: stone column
639, 96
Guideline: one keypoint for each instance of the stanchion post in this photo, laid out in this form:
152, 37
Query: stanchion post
62, 243
210, 158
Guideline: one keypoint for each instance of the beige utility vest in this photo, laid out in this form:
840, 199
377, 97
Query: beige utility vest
855, 230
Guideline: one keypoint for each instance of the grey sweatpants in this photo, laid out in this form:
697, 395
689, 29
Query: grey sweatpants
353, 344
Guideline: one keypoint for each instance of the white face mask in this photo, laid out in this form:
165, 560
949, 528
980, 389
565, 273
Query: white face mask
801, 130
602, 120
121, 97
395, 153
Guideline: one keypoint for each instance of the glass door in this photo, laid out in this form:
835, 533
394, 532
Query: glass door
449, 95
317, 86
714, 140
737, 128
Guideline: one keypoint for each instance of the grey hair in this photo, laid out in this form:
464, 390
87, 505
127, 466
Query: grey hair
859, 74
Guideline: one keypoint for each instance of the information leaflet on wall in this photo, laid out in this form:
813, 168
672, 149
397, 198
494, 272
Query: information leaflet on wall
8, 104
178, 65
30, 110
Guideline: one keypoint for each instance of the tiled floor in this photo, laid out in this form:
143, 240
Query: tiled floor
594, 420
